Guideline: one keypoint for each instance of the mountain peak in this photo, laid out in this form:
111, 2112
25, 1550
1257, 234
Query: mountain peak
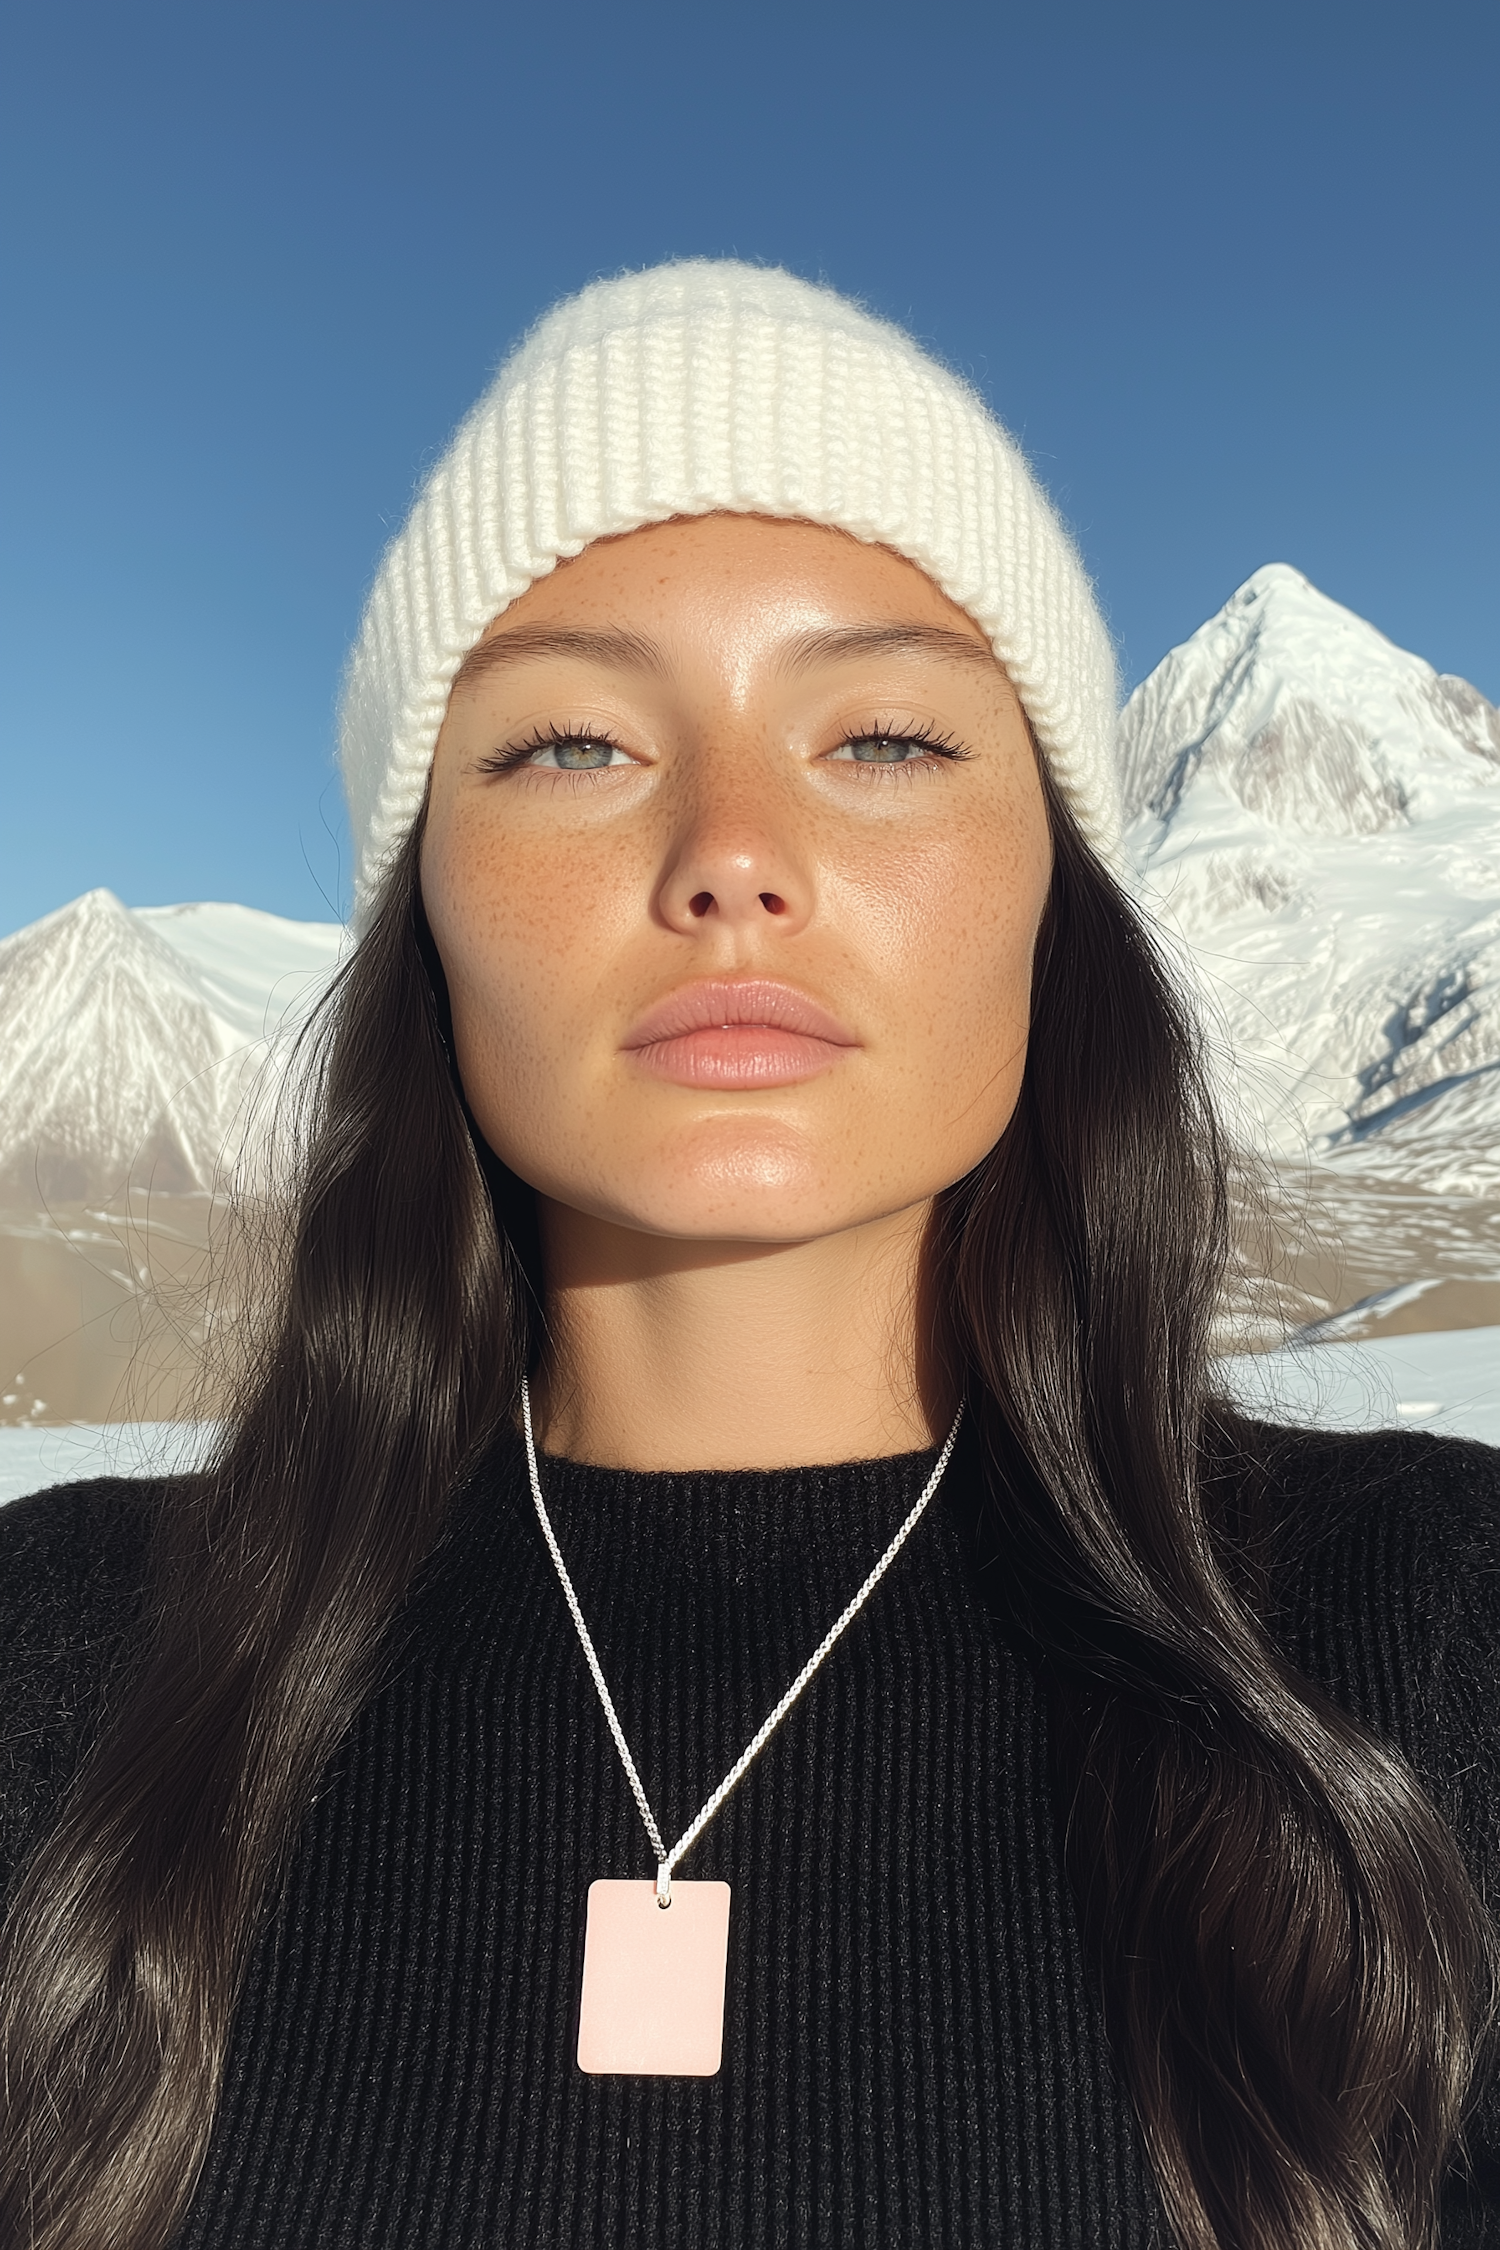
1269, 578
129, 1055
1303, 715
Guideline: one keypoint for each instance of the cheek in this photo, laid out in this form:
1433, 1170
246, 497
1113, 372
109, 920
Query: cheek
955, 929
522, 936
961, 925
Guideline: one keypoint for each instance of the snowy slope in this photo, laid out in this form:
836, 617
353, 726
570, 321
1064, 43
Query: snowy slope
132, 1039
251, 967
1315, 815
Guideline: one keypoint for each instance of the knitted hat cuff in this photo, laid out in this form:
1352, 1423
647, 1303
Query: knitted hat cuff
701, 387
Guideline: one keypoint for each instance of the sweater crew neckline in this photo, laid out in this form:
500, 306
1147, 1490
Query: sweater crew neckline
728, 1519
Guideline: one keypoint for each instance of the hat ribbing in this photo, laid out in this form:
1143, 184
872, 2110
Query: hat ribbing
712, 385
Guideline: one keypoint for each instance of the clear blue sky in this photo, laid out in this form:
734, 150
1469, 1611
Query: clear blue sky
1232, 273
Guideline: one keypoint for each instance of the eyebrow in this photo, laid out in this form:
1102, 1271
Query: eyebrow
637, 652
841, 642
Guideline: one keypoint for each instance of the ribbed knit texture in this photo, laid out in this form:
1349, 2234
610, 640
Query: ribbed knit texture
913, 2053
710, 385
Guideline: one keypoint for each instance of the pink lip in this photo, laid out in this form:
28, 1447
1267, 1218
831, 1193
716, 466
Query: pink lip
731, 1033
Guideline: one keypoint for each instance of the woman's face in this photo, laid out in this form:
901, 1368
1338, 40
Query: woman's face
735, 855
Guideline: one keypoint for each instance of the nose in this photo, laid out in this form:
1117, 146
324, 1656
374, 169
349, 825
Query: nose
733, 864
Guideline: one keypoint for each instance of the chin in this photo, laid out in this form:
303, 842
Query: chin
760, 1194
768, 1210
771, 1186
755, 1229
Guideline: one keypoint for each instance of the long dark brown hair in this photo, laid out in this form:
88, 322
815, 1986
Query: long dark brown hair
1298, 2047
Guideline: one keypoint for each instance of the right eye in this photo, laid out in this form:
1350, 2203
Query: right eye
558, 751
575, 753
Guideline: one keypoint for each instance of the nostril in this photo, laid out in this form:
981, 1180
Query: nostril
771, 903
701, 903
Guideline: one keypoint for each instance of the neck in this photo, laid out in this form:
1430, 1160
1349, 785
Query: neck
692, 1355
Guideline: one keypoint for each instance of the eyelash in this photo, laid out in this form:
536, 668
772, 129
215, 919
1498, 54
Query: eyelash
550, 738
925, 737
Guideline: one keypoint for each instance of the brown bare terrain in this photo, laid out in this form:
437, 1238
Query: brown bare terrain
104, 1312
1331, 1245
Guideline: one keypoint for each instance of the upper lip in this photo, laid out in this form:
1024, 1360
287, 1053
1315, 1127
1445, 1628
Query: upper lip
713, 1001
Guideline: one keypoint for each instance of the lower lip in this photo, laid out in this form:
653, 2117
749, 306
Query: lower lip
738, 1056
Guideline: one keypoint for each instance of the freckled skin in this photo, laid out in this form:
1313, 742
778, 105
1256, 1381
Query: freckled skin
734, 842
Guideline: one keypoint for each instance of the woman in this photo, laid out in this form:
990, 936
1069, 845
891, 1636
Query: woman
750, 1072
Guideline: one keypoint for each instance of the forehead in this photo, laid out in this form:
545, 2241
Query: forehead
732, 574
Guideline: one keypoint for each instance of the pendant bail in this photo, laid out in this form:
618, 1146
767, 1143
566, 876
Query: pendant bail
664, 1883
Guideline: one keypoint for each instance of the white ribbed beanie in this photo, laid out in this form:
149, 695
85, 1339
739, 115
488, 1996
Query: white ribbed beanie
713, 385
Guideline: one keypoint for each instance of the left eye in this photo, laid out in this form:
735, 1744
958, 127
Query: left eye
881, 749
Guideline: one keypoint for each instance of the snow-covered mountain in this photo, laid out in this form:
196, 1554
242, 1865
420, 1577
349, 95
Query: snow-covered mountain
132, 1039
1315, 815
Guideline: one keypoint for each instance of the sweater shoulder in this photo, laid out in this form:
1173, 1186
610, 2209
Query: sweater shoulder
72, 1572
1400, 1521
70, 1556
1385, 1592
1384, 1555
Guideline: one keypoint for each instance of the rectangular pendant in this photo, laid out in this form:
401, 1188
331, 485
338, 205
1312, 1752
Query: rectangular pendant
653, 1980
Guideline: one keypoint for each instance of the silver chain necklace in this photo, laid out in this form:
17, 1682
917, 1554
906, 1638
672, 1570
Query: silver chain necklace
649, 2003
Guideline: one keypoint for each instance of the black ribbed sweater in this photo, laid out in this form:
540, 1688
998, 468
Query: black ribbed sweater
914, 2052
